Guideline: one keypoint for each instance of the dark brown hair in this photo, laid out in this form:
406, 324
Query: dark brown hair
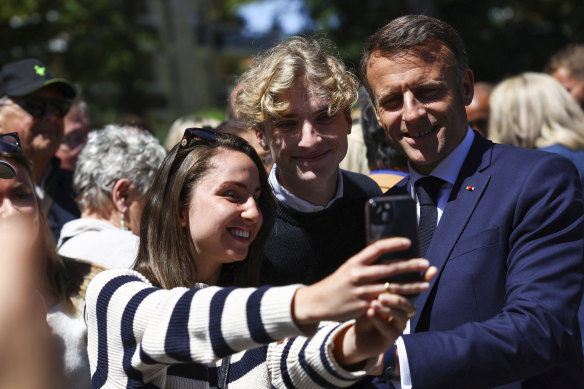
570, 57
165, 255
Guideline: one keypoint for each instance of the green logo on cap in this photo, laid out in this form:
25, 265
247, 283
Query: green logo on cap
40, 70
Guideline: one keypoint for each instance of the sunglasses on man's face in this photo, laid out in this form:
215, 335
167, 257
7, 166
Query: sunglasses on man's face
74, 139
9, 143
192, 134
37, 107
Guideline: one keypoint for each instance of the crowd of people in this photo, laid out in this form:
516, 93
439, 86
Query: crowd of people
236, 255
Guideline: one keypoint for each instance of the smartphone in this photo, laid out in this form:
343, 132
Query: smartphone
393, 216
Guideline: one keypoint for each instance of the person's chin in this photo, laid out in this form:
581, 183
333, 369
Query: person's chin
237, 255
311, 176
316, 170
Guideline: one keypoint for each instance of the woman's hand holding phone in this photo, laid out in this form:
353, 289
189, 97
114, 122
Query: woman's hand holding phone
348, 292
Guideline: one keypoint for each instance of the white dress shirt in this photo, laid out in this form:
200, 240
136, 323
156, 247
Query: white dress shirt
447, 170
295, 202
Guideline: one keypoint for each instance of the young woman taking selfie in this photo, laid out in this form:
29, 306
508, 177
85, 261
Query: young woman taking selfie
187, 313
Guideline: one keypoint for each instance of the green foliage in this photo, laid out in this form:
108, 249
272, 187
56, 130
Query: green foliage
214, 113
505, 38
502, 37
108, 47
101, 45
231, 6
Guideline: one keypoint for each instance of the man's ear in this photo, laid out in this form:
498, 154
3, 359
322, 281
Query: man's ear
262, 140
374, 106
349, 119
121, 194
467, 87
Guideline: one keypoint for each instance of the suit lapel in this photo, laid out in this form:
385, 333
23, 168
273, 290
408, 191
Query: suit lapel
464, 197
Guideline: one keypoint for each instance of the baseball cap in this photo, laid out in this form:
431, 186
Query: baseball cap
6, 170
22, 77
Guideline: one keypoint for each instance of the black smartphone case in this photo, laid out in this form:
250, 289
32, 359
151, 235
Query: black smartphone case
393, 216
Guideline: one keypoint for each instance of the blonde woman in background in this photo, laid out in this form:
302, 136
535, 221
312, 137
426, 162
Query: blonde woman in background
534, 111
177, 128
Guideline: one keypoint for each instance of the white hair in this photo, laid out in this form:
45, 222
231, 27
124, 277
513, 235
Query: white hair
113, 153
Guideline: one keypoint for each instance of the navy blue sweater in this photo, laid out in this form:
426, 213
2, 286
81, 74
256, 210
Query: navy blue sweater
306, 247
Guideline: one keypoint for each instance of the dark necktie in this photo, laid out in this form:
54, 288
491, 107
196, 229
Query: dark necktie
427, 189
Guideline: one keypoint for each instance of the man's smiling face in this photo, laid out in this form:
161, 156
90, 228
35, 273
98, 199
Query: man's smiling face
41, 136
307, 143
420, 104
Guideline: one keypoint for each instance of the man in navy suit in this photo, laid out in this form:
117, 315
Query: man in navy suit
509, 240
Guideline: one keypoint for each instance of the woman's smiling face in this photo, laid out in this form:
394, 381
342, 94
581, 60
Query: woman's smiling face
17, 197
19, 217
223, 217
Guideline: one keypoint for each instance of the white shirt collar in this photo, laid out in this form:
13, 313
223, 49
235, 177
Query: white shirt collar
447, 170
295, 202
450, 166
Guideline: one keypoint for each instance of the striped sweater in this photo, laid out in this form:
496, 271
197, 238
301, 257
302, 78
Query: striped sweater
141, 336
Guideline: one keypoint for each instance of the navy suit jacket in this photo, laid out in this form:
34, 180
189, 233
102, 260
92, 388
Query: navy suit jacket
63, 206
509, 250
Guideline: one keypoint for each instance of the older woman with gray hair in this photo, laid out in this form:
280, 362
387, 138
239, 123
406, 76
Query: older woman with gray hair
112, 176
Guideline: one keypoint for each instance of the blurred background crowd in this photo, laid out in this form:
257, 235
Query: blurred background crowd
153, 61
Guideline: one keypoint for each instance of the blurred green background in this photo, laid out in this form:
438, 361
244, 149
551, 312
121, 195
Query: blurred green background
156, 60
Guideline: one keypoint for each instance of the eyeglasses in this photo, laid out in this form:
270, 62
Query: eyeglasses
192, 134
74, 139
37, 107
9, 143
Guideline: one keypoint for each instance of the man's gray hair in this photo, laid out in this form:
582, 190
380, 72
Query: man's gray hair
113, 153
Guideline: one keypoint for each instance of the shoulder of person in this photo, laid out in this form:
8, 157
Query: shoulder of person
526, 158
78, 275
357, 183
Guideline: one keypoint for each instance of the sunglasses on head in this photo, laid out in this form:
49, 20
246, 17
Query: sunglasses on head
192, 134
9, 143
37, 107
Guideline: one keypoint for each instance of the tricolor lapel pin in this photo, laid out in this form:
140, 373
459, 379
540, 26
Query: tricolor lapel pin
470, 188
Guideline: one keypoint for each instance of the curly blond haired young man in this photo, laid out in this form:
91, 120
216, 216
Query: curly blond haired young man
299, 98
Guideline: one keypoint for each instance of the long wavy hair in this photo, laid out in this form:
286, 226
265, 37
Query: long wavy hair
166, 251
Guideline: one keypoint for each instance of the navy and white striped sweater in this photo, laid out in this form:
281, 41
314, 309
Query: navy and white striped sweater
141, 336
